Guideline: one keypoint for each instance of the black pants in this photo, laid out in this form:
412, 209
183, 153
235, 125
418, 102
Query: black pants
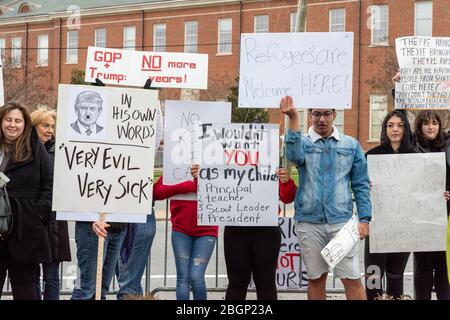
24, 277
251, 250
376, 265
430, 268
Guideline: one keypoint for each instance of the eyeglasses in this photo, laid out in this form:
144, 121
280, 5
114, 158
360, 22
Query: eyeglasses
318, 115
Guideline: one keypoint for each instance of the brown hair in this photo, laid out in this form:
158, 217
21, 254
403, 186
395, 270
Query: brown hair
22, 146
422, 117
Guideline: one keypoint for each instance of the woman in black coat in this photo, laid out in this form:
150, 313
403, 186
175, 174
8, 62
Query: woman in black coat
430, 268
395, 138
28, 166
44, 121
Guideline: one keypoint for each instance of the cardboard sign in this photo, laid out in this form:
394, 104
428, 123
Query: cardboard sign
134, 68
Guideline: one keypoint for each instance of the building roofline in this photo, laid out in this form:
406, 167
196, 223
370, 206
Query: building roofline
117, 10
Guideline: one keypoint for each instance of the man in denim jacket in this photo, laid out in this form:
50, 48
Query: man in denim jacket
331, 166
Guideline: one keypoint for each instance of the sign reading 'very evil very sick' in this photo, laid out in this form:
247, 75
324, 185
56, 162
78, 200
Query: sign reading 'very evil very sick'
105, 147
134, 68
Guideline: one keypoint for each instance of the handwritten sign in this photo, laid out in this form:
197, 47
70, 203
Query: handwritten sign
178, 139
289, 274
133, 68
409, 211
425, 73
315, 68
105, 148
237, 182
344, 241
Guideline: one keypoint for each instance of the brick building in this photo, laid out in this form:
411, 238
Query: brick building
44, 40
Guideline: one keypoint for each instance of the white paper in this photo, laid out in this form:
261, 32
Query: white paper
134, 68
315, 68
344, 241
408, 207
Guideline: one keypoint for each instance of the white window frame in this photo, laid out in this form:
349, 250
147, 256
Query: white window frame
371, 124
16, 52
129, 43
293, 21
100, 33
336, 27
72, 47
42, 51
340, 114
416, 5
303, 115
159, 41
191, 39
375, 18
257, 24
225, 36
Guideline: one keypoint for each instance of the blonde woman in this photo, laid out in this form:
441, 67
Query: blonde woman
44, 119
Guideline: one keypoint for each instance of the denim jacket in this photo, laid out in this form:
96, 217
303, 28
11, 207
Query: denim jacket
329, 171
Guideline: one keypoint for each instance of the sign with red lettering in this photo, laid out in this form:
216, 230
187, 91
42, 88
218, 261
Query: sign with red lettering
105, 149
315, 68
237, 180
134, 68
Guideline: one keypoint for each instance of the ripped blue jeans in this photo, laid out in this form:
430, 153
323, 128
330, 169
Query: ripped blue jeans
192, 255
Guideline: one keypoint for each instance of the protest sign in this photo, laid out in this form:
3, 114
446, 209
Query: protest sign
237, 181
409, 211
134, 68
315, 68
341, 245
105, 147
180, 116
425, 73
289, 273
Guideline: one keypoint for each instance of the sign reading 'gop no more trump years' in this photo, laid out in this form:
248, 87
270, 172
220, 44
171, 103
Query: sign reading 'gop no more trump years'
237, 180
134, 68
315, 68
105, 148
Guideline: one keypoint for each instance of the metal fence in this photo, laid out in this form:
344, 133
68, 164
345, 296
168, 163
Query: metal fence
216, 281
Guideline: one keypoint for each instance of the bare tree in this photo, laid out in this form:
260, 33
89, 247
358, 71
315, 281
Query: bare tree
33, 89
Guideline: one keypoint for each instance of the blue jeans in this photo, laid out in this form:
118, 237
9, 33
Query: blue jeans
192, 255
51, 281
129, 272
87, 245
